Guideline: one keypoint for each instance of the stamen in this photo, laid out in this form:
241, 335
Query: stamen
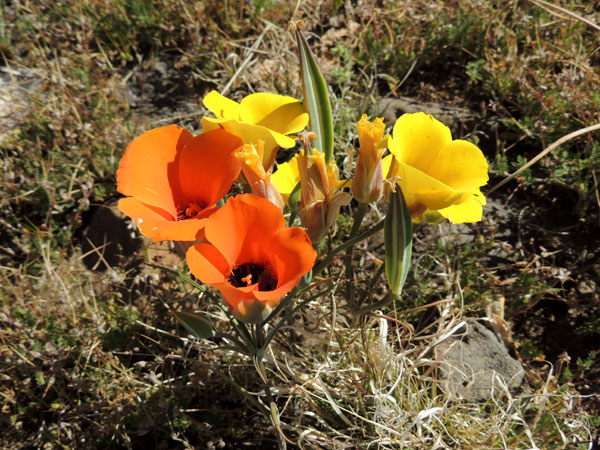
247, 279
192, 210
242, 276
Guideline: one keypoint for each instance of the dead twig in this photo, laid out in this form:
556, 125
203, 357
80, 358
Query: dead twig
543, 153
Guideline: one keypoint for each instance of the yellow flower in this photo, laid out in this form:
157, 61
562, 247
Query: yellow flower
263, 116
367, 184
440, 177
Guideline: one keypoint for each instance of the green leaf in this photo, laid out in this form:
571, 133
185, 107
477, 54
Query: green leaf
397, 232
316, 100
195, 324
294, 198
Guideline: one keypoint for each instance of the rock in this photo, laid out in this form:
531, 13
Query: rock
17, 87
472, 361
107, 240
452, 116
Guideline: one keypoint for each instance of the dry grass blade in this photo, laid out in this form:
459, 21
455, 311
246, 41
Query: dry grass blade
556, 9
543, 153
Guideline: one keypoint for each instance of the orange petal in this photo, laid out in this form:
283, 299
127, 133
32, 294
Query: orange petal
242, 228
207, 264
148, 168
291, 255
208, 167
159, 225
234, 295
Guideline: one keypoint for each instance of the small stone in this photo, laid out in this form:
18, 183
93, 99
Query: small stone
471, 362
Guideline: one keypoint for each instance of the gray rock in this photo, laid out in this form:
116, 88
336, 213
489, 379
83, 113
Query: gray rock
472, 362
392, 108
17, 87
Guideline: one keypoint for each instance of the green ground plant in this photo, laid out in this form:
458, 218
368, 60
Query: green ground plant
90, 357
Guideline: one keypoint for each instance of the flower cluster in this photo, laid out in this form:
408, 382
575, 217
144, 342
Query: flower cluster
173, 183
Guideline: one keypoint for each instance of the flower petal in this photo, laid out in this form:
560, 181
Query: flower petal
252, 134
159, 225
291, 256
242, 228
470, 210
208, 167
418, 140
234, 295
461, 165
148, 170
279, 113
286, 177
221, 106
207, 264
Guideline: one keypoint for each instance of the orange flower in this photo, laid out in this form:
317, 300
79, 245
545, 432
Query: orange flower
251, 257
172, 180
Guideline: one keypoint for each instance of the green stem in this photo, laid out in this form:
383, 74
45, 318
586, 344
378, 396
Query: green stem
289, 314
291, 219
283, 304
349, 243
260, 367
369, 292
358, 218
389, 297
239, 327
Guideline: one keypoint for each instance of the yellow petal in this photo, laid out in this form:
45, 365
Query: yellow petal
286, 177
251, 156
441, 199
385, 164
461, 165
369, 136
418, 187
470, 210
278, 113
418, 139
221, 106
251, 134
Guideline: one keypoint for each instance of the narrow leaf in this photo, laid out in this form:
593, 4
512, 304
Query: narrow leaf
397, 231
316, 100
195, 324
294, 198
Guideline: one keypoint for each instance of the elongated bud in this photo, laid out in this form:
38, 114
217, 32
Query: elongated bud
397, 231
313, 177
259, 180
367, 185
320, 202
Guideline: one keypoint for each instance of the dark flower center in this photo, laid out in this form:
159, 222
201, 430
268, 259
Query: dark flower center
251, 273
192, 210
